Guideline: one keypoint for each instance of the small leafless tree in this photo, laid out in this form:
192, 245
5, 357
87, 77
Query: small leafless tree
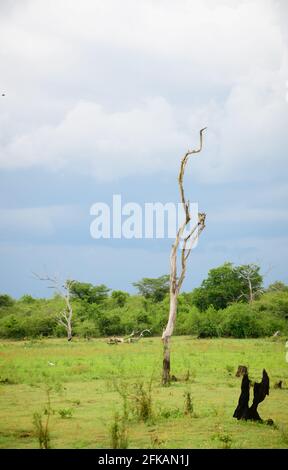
65, 316
249, 274
175, 281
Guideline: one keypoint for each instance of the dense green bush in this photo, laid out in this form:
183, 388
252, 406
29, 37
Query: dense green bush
110, 325
12, 326
188, 318
6, 300
119, 297
27, 299
86, 311
207, 324
87, 329
237, 321
275, 302
240, 321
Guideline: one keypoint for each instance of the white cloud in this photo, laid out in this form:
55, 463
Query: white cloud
249, 132
108, 144
226, 39
121, 88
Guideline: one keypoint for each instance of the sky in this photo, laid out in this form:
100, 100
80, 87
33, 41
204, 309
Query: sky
104, 98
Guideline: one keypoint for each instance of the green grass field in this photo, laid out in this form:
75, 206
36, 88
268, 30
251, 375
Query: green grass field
86, 377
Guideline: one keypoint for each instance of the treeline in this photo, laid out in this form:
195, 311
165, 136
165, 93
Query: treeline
231, 302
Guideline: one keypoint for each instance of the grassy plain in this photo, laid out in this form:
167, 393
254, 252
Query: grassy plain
84, 378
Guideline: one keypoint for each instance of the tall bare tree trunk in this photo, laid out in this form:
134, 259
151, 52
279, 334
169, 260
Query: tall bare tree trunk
166, 361
167, 340
251, 296
175, 282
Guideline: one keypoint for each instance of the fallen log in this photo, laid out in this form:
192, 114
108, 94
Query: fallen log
132, 338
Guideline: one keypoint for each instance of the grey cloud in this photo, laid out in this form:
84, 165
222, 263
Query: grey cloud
38, 222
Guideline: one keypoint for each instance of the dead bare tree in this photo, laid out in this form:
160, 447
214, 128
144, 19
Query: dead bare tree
249, 274
188, 242
65, 316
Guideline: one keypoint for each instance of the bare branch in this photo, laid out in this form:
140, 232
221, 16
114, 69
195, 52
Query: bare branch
181, 175
186, 253
128, 339
176, 284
